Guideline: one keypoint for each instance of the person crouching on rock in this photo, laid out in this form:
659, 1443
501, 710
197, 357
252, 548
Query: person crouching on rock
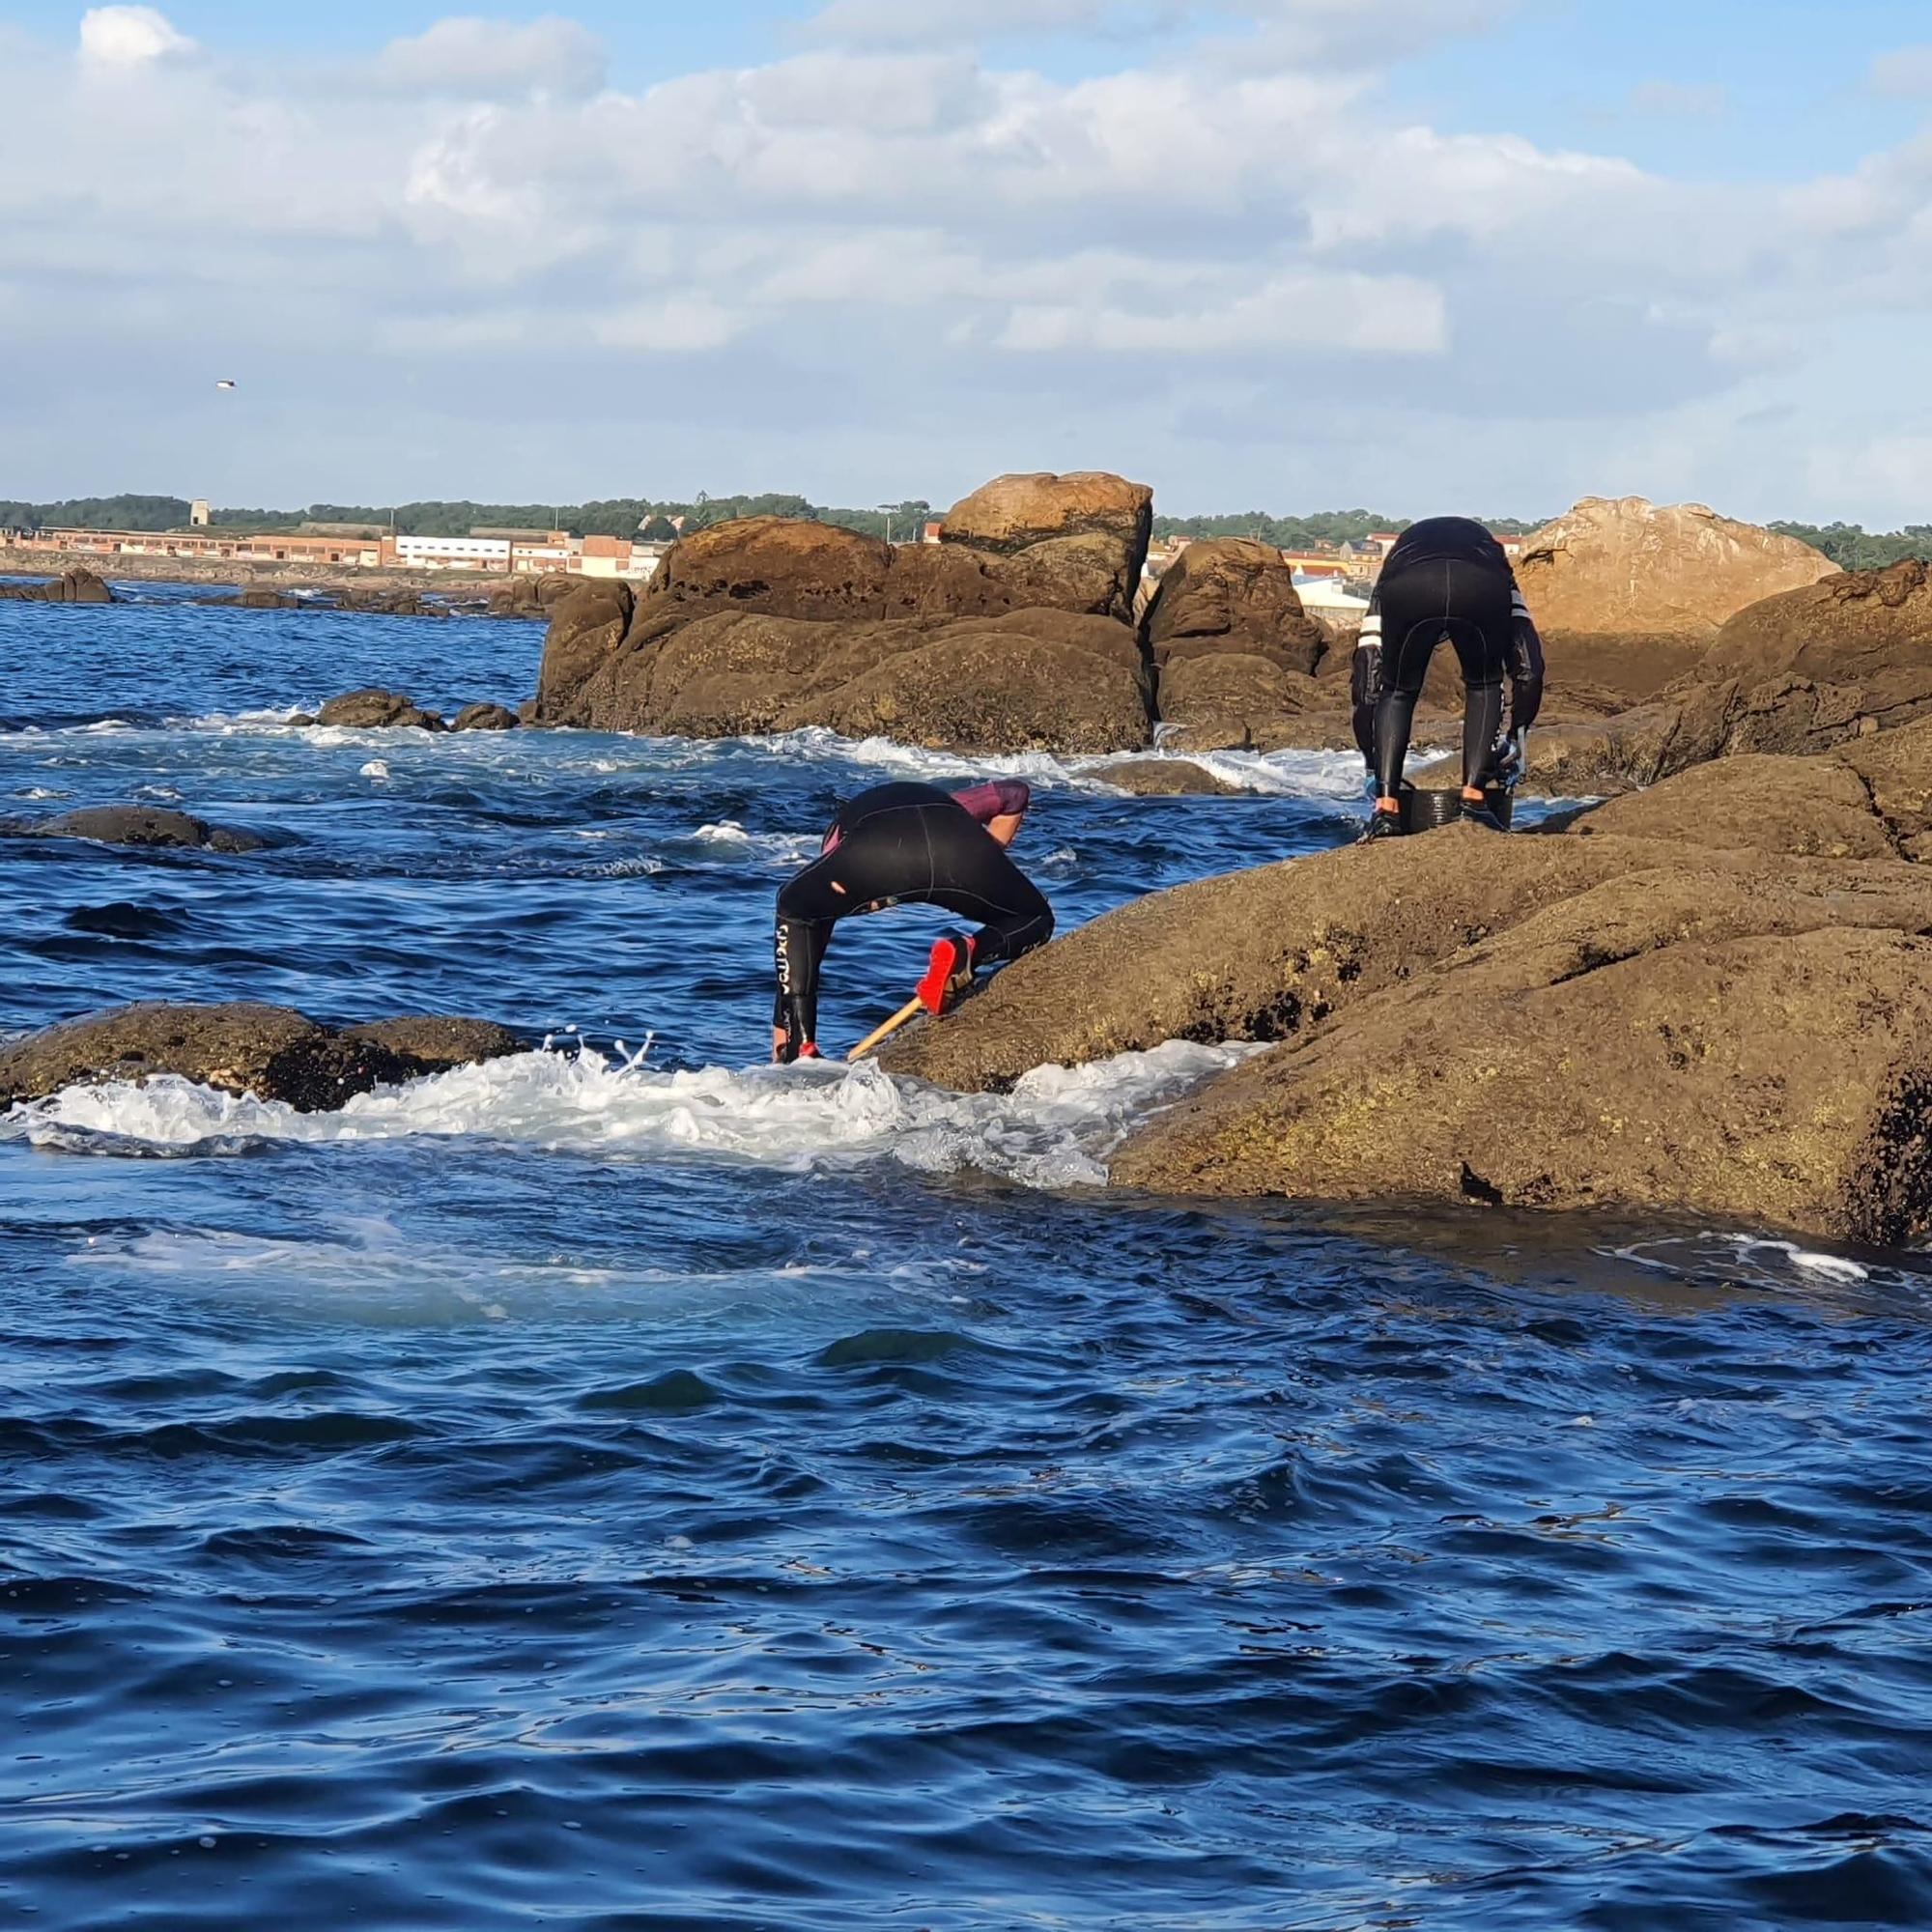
1446, 576
909, 845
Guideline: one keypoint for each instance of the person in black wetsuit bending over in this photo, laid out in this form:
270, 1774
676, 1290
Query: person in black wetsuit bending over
1446, 576
909, 845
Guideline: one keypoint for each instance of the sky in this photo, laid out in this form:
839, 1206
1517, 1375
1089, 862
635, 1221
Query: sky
1407, 255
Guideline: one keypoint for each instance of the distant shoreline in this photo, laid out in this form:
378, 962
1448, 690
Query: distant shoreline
47, 563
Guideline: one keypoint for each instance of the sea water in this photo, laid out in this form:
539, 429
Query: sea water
629, 1485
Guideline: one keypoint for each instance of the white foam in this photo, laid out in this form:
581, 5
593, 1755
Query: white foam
1834, 1267
775, 848
1054, 1130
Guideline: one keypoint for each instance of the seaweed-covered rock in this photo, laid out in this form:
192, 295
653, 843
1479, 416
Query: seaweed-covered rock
375, 709
272, 1052
484, 717
142, 825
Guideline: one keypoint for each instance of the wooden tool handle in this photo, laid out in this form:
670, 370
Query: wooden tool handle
909, 1010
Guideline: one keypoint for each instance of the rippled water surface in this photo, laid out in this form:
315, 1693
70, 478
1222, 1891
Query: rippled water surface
610, 1490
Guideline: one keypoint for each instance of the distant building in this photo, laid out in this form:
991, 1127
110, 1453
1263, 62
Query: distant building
550, 536
199, 515
932, 532
1317, 563
452, 553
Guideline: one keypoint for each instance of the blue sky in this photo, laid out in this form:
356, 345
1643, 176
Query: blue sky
1414, 254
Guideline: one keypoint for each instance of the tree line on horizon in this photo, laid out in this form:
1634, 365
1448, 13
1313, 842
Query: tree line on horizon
1848, 544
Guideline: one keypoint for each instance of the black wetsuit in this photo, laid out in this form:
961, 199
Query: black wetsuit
901, 844
1446, 576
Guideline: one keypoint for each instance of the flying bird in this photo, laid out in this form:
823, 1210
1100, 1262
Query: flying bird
226, 382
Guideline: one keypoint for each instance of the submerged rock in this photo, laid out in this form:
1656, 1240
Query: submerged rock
70, 587
1165, 777
142, 825
272, 1052
375, 709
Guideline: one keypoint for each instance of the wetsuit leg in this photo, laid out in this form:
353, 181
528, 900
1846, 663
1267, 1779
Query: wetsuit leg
1415, 609
1483, 636
806, 908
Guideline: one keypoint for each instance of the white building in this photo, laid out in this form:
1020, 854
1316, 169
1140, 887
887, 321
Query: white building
453, 552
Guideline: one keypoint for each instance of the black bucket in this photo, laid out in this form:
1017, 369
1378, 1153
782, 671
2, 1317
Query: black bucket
1428, 810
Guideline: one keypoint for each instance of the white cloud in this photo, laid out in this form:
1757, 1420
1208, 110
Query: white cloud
1298, 312
1904, 74
476, 59
130, 37
1225, 246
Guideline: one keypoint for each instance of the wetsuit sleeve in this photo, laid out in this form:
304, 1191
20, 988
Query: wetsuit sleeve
1365, 677
1526, 664
1001, 798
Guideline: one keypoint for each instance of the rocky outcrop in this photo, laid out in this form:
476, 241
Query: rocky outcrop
141, 825
530, 597
1237, 597
72, 586
1034, 680
1164, 777
1629, 595
1229, 701
484, 717
385, 600
1811, 670
1012, 513
1741, 1077
982, 689
271, 1052
1713, 998
375, 709
1007, 636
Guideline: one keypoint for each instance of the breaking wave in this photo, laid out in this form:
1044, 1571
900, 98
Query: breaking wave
1054, 1129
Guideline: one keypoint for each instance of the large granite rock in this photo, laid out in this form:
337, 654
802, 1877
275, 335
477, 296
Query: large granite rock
1233, 596
1862, 629
141, 825
991, 690
1688, 1000
1629, 595
1045, 680
1765, 1079
1012, 513
767, 623
72, 586
1232, 700
1809, 671
271, 1052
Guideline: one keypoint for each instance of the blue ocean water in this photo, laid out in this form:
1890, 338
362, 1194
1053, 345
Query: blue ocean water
604, 1491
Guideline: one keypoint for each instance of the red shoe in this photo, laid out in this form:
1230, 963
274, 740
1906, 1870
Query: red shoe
948, 973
